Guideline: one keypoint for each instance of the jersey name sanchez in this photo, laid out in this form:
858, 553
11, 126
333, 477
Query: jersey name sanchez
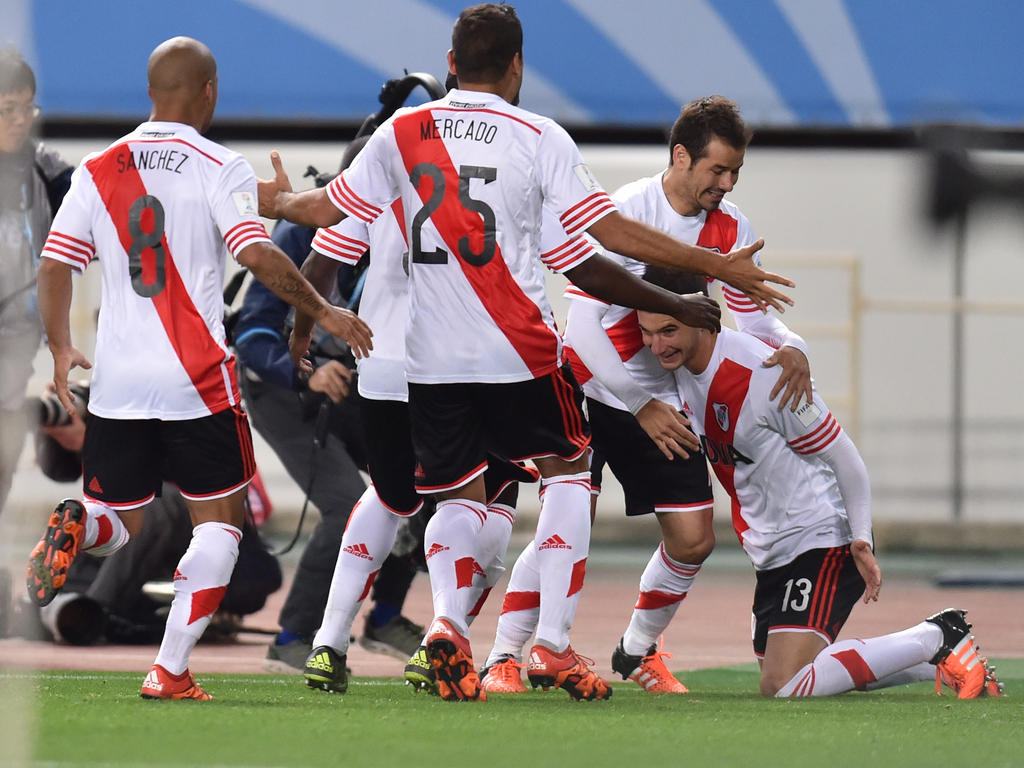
473, 172
722, 230
160, 209
785, 500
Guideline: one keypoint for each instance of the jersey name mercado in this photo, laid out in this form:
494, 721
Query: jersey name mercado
151, 160
457, 128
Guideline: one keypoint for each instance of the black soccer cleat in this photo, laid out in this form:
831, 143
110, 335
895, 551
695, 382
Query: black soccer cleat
325, 670
954, 626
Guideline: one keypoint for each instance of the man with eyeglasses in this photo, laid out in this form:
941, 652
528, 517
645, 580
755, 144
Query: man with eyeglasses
33, 180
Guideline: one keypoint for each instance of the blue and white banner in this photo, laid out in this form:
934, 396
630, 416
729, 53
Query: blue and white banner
805, 63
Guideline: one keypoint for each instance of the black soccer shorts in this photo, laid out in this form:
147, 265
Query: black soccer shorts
651, 482
813, 593
456, 426
125, 461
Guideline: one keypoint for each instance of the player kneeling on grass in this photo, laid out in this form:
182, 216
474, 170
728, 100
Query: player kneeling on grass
801, 506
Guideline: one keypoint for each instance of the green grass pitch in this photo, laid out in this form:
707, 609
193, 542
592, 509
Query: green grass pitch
97, 719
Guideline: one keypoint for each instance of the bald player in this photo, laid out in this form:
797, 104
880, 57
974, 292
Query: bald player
160, 209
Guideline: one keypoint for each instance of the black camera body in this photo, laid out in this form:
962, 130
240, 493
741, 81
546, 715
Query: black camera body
51, 413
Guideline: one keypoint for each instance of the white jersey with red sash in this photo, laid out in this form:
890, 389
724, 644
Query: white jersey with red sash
160, 209
785, 499
385, 299
722, 230
473, 173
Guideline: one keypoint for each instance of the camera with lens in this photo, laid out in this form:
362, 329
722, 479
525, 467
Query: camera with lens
51, 413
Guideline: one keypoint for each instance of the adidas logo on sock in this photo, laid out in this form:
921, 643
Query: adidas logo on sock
179, 576
555, 542
435, 548
322, 662
359, 550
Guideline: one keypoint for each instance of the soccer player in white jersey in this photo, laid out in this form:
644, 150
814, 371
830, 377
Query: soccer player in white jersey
483, 358
801, 507
373, 524
630, 398
160, 209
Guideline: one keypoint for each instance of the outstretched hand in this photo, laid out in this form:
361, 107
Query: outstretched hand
744, 275
64, 361
348, 327
699, 311
868, 567
668, 428
268, 190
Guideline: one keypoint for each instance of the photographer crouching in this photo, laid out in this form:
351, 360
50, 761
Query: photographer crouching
103, 599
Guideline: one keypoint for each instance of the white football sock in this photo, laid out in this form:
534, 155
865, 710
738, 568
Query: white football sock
104, 531
492, 543
200, 581
451, 552
563, 544
857, 664
663, 586
366, 543
520, 608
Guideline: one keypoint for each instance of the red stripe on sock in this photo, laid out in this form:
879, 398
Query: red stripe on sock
579, 572
205, 602
520, 601
858, 669
463, 572
368, 584
480, 602
657, 599
106, 531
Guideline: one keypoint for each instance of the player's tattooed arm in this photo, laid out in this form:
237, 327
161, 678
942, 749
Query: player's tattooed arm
274, 269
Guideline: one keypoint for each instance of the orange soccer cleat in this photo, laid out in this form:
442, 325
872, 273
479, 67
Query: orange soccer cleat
503, 676
647, 671
161, 684
566, 670
451, 657
56, 551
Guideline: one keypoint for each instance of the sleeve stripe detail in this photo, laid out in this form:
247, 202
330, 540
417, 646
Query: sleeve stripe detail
77, 253
581, 215
742, 308
244, 234
568, 255
72, 241
343, 197
572, 292
339, 247
73, 259
819, 439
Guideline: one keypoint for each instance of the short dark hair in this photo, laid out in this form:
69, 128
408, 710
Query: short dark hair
15, 73
702, 119
485, 39
676, 280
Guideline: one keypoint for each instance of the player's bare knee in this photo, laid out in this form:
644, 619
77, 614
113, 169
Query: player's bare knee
770, 686
693, 550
